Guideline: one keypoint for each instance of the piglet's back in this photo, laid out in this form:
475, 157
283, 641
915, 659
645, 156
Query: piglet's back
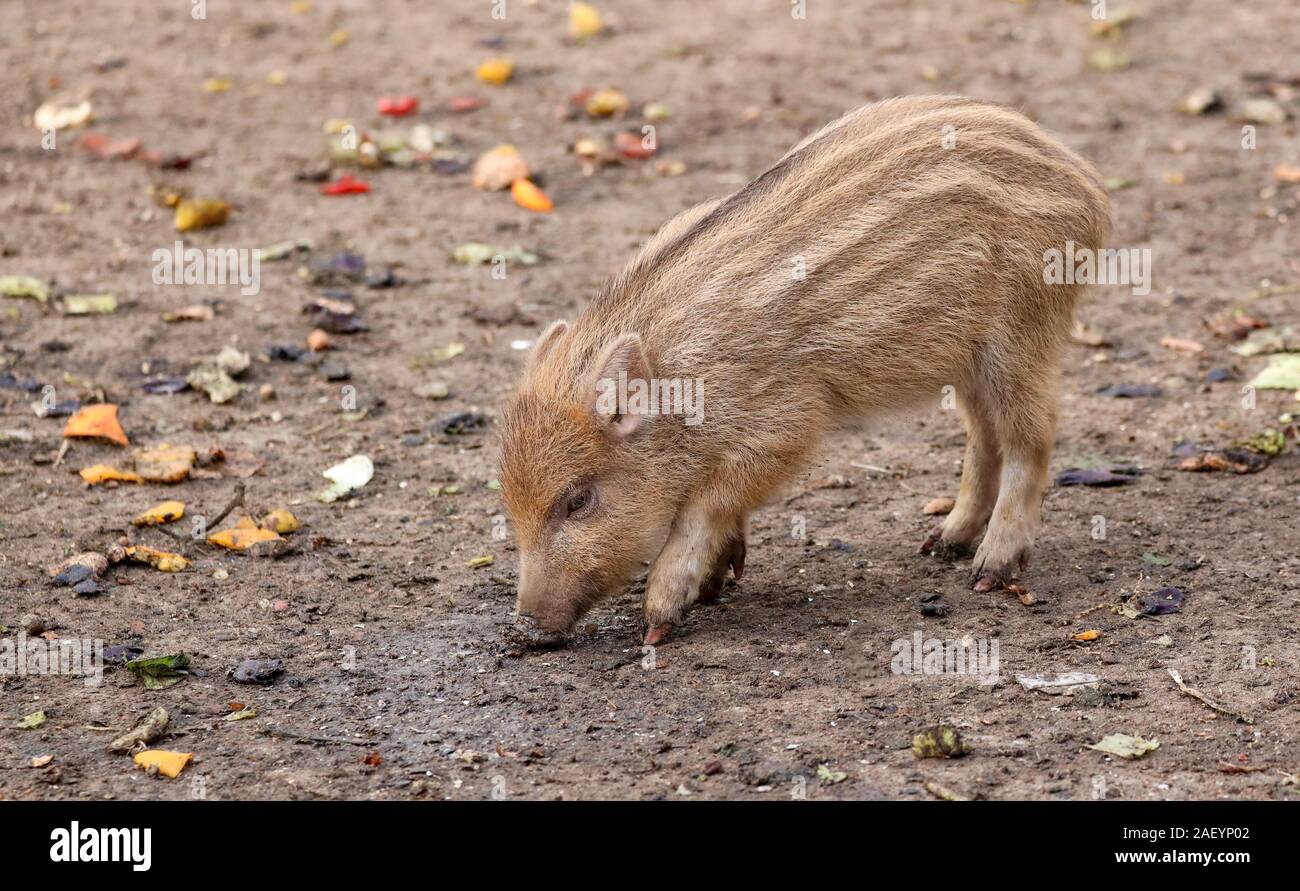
879, 254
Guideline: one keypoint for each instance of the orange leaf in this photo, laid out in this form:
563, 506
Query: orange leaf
167, 512
97, 421
159, 560
103, 473
165, 463
1090, 634
529, 196
244, 535
169, 764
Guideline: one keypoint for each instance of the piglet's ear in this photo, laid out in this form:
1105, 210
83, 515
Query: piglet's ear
549, 338
622, 372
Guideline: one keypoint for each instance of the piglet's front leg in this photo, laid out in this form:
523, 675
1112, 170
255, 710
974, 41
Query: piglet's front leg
692, 566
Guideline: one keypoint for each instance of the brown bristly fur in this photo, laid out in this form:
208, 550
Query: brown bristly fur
920, 226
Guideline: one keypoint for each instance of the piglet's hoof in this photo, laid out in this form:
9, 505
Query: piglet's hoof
989, 581
657, 634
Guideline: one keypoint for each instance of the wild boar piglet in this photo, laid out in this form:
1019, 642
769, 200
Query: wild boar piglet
893, 257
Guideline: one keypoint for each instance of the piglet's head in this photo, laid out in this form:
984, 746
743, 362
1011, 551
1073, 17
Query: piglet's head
577, 479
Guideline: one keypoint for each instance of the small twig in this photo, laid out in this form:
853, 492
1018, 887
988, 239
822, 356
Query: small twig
236, 500
319, 740
1197, 694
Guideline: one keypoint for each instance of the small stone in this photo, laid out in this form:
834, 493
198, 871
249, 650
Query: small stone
87, 588
432, 390
257, 671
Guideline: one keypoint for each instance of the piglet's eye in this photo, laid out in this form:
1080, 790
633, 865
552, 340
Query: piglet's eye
578, 501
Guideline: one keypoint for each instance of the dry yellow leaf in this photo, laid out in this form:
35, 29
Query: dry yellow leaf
216, 85
498, 168
495, 71
244, 535
169, 764
103, 473
165, 463
1090, 634
162, 561
1287, 173
528, 196
200, 213
166, 512
606, 103
281, 521
584, 21
97, 421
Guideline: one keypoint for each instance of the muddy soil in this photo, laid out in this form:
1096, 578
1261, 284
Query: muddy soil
396, 682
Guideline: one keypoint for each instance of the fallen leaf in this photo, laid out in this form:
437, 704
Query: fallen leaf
480, 562
397, 106
162, 561
606, 103
529, 197
32, 721
1281, 373
216, 85
943, 741
1122, 745
60, 114
160, 672
281, 521
346, 477
829, 776
89, 304
495, 71
474, 253
1085, 636
166, 512
1285, 339
104, 473
346, 185
200, 213
98, 421
24, 286
633, 145
169, 764
165, 463
41, 760
243, 535
584, 21
498, 169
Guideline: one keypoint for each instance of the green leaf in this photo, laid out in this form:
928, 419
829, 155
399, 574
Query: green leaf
32, 721
160, 672
1122, 745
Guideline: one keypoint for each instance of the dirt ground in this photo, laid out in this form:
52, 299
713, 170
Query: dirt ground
396, 681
